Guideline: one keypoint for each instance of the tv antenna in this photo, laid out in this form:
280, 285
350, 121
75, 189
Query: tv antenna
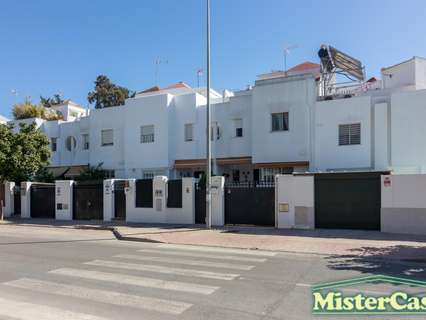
157, 63
287, 51
200, 72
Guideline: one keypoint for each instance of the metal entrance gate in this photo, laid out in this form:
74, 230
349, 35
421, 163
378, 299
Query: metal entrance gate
88, 202
251, 203
200, 204
2, 195
43, 200
348, 201
119, 200
17, 200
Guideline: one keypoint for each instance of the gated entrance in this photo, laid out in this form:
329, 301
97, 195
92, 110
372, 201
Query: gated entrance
88, 202
119, 199
251, 203
200, 203
17, 200
348, 200
2, 195
43, 200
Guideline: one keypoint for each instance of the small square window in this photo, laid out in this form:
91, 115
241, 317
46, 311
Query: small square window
147, 134
279, 121
238, 125
349, 134
107, 137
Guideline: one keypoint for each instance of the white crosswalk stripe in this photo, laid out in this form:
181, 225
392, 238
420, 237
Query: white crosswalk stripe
202, 255
136, 281
202, 263
163, 269
30, 311
217, 249
109, 297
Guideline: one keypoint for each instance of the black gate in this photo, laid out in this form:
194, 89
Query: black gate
119, 200
348, 201
43, 200
200, 203
174, 193
251, 203
2, 195
88, 202
144, 193
17, 200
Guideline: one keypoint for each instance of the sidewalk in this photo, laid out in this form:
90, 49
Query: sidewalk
343, 243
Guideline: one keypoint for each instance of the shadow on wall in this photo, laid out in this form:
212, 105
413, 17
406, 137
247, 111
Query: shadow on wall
398, 260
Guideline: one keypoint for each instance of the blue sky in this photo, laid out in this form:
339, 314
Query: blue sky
50, 46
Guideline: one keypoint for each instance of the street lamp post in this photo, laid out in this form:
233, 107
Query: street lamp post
208, 126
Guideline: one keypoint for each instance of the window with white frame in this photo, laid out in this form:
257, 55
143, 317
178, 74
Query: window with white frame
349, 134
147, 134
238, 126
85, 140
189, 134
107, 137
279, 121
53, 144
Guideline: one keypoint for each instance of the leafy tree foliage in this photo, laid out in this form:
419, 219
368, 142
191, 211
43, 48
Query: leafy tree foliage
23, 152
107, 94
50, 102
28, 110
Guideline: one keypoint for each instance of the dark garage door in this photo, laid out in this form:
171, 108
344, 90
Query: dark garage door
348, 201
88, 201
43, 200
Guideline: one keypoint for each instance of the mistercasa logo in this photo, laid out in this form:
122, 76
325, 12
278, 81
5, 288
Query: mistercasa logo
332, 298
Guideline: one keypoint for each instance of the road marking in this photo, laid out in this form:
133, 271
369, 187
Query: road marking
30, 311
202, 263
136, 281
162, 269
214, 249
103, 296
201, 255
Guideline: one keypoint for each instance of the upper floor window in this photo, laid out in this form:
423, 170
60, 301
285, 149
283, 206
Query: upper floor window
279, 121
216, 132
107, 137
238, 125
189, 136
349, 134
53, 144
147, 134
85, 139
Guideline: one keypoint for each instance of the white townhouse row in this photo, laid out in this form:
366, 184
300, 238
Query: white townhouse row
282, 124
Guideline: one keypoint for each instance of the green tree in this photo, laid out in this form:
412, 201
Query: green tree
27, 110
107, 94
23, 152
50, 102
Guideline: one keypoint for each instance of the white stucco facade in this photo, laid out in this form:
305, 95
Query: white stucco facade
162, 132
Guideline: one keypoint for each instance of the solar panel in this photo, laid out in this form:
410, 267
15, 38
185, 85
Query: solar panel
333, 59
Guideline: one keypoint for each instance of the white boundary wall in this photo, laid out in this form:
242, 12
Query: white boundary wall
9, 202
294, 202
25, 199
64, 199
160, 213
404, 204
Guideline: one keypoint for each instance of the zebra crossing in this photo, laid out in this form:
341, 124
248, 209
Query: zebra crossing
131, 280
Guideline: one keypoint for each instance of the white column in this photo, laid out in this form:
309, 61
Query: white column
159, 185
9, 203
64, 199
109, 204
218, 200
26, 199
188, 198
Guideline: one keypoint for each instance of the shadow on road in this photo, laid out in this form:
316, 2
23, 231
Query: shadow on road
398, 260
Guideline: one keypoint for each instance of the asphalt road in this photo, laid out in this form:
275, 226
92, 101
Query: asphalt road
50, 273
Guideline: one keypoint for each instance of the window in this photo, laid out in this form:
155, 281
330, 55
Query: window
85, 138
279, 121
189, 132
107, 137
70, 143
147, 134
349, 134
215, 128
53, 144
238, 125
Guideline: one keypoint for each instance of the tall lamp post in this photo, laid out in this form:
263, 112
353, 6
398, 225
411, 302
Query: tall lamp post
209, 132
